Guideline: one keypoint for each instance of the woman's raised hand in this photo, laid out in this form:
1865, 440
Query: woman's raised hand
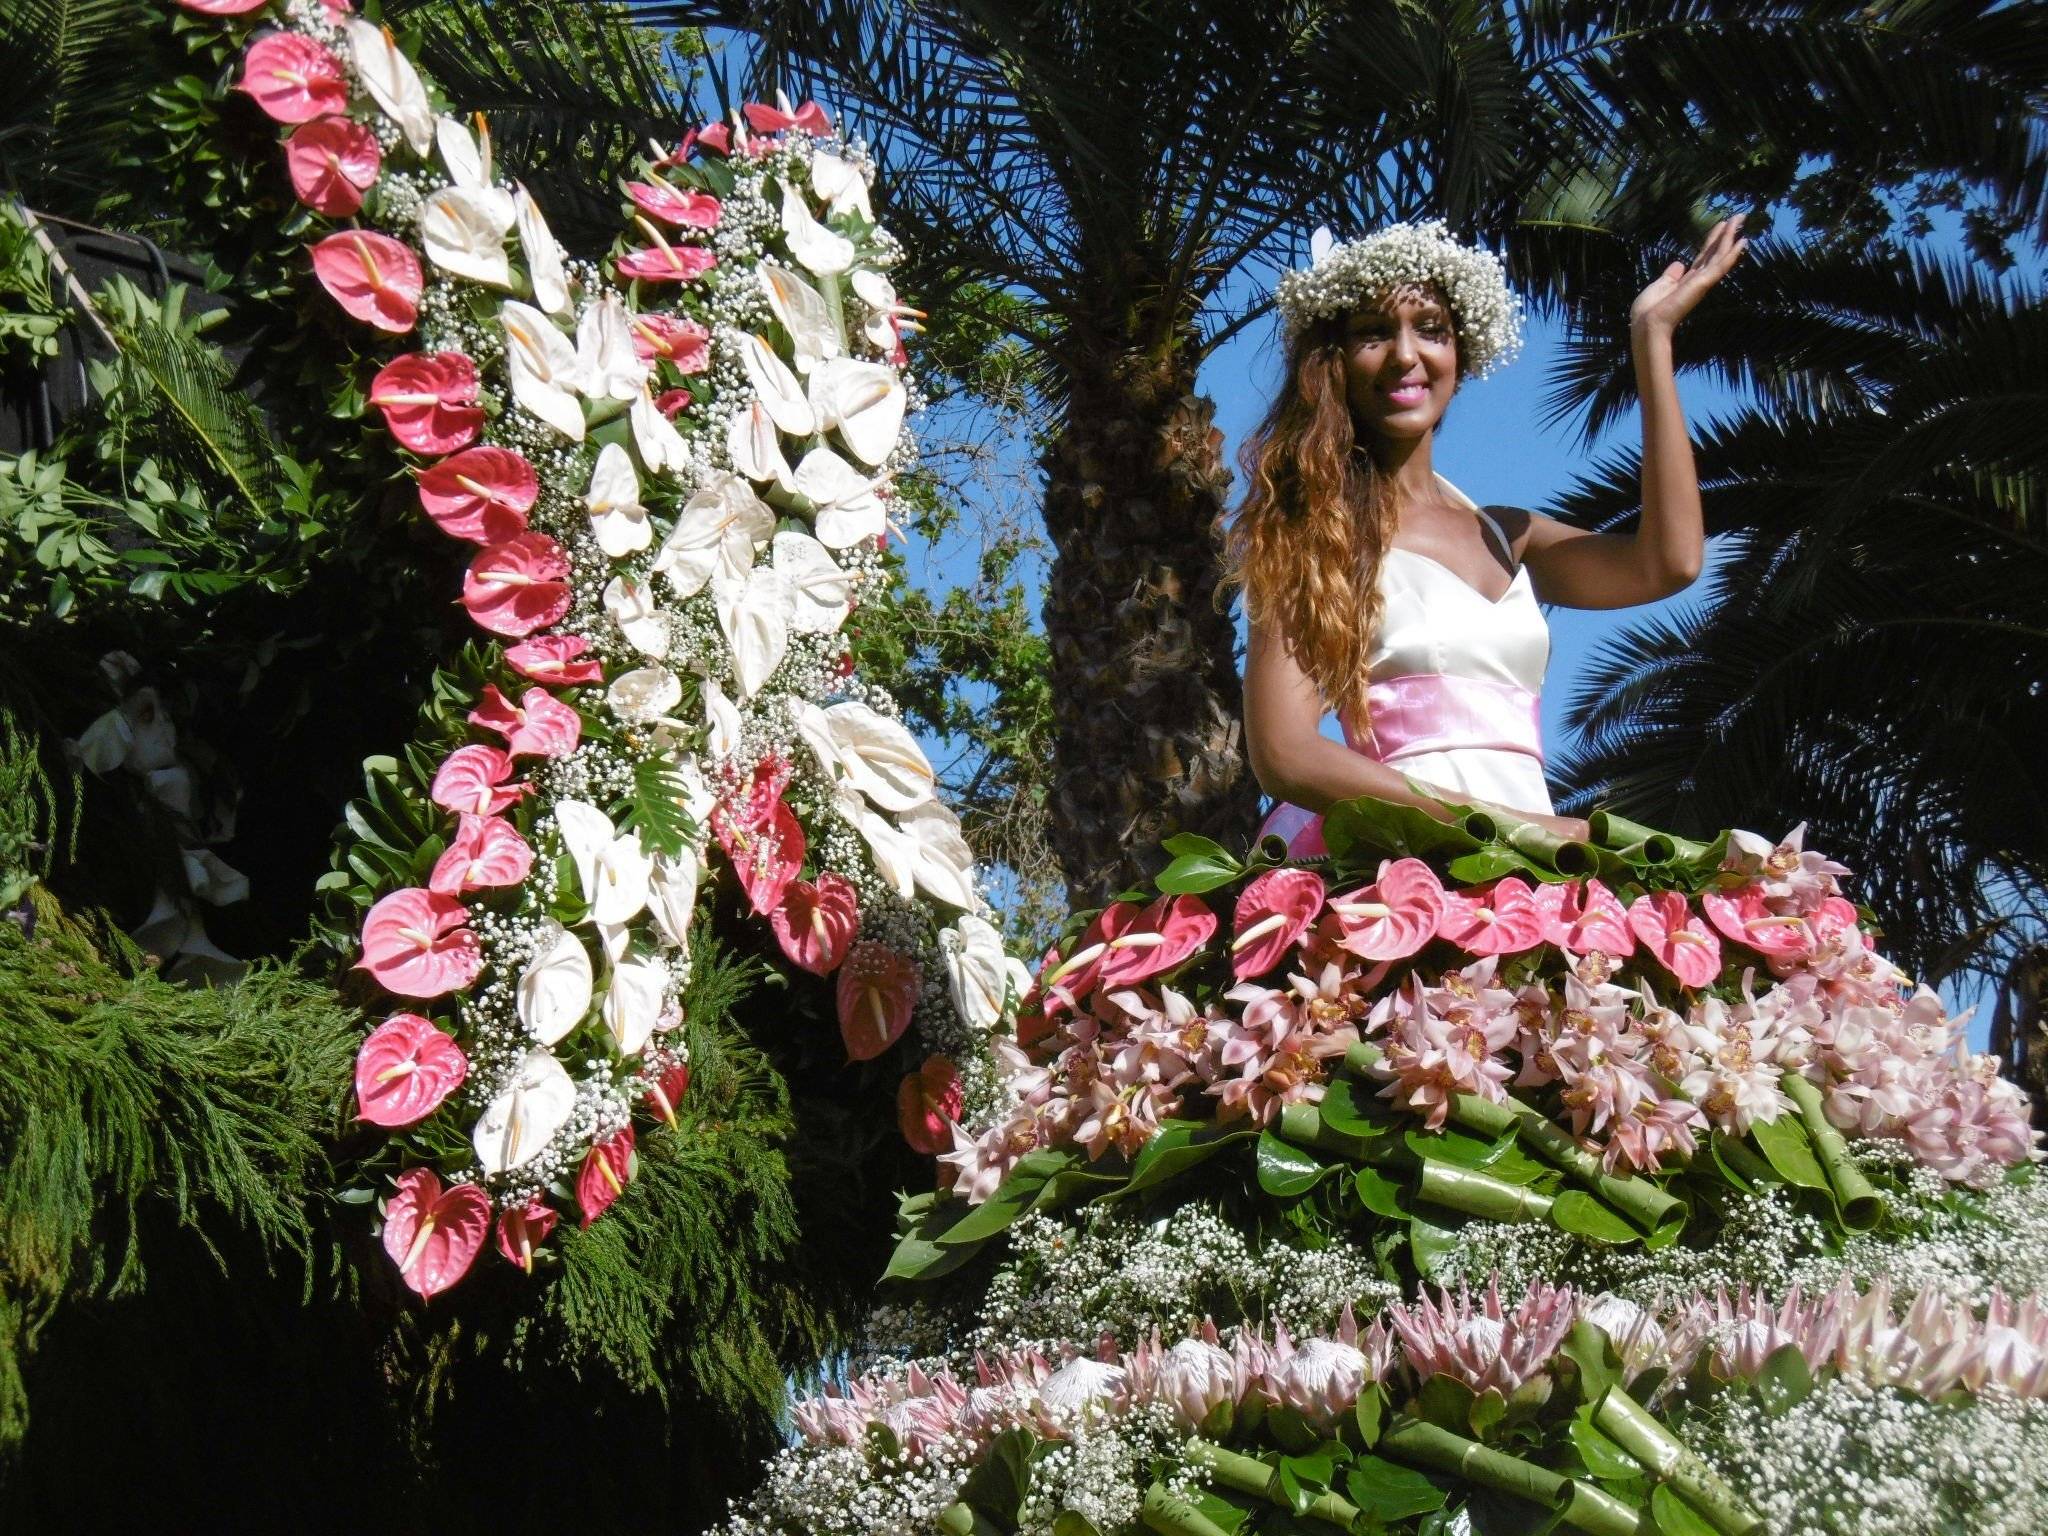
1671, 297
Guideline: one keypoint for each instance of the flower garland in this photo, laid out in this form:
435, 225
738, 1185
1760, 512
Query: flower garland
676, 469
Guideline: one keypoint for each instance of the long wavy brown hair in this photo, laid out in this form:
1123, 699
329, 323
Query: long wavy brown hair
1306, 544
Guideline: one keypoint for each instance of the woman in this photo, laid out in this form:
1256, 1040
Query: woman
1377, 589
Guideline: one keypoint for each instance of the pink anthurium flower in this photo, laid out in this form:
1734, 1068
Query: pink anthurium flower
223, 7
816, 922
667, 1092
1394, 916
766, 855
518, 586
429, 404
665, 263
418, 943
1835, 917
1499, 919
658, 200
471, 782
332, 161
810, 117
1581, 916
1746, 917
1155, 941
877, 990
557, 659
293, 78
672, 402
1273, 912
372, 276
1065, 980
487, 854
716, 137
607, 1170
433, 1234
675, 339
928, 1105
1671, 931
523, 1228
481, 494
404, 1070
540, 725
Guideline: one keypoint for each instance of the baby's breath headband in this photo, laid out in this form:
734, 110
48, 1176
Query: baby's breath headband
1342, 275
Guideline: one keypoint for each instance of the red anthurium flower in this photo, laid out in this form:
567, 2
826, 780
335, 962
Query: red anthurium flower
223, 7
877, 990
1582, 916
666, 263
1064, 981
481, 494
523, 1228
766, 853
418, 943
928, 1104
1498, 919
555, 659
429, 403
674, 339
1273, 912
1394, 916
667, 1092
672, 402
817, 921
1157, 939
658, 200
404, 1070
433, 1234
472, 782
293, 78
540, 725
518, 586
1670, 930
486, 853
372, 276
1746, 917
716, 137
810, 117
332, 162
607, 1170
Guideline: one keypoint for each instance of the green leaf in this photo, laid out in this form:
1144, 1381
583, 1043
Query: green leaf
1179, 1146
1785, 1381
1195, 874
1287, 1170
1448, 1146
1603, 1456
918, 1254
996, 1487
1447, 1403
1013, 1197
1381, 1195
1674, 1516
1365, 828
1071, 1522
1786, 1146
1387, 1491
1370, 1413
1582, 1214
1183, 845
1353, 1108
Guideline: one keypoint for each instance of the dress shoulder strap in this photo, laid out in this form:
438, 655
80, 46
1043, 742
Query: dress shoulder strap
1486, 519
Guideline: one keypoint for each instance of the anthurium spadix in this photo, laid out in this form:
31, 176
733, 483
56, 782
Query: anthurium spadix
977, 971
753, 614
845, 508
555, 988
815, 247
617, 519
612, 866
863, 402
542, 364
840, 183
392, 82
756, 447
608, 365
716, 534
802, 312
632, 1003
632, 607
543, 255
522, 1119
782, 396
820, 593
660, 446
878, 756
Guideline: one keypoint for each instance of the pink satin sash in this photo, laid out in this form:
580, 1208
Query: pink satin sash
1424, 712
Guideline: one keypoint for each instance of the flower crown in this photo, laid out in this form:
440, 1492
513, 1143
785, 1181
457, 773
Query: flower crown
1340, 276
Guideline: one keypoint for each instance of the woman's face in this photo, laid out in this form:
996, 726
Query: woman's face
1400, 363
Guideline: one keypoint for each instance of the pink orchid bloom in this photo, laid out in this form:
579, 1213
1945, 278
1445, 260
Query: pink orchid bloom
675, 339
540, 725
521, 1229
433, 1234
1669, 930
1154, 941
810, 117
481, 494
607, 1170
928, 1106
1498, 919
667, 1091
665, 263
223, 7
1746, 917
471, 781
518, 586
1394, 916
672, 402
1273, 912
1582, 916
487, 854
817, 921
877, 990
556, 659
332, 161
418, 943
429, 404
371, 276
404, 1070
658, 200
293, 78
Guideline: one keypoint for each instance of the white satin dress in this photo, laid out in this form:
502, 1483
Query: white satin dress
1456, 686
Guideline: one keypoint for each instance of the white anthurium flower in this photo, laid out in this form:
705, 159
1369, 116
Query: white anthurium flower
816, 733
542, 365
661, 446
464, 232
886, 313
821, 594
468, 161
698, 798
1020, 977
617, 519
607, 365
722, 723
895, 852
803, 314
631, 606
880, 758
813, 245
644, 694
672, 896
555, 988
522, 1119
945, 864
614, 939
103, 745
864, 401
754, 615
543, 255
612, 866
388, 75
755, 446
632, 1003
212, 878
977, 971
781, 395
839, 182
716, 534
845, 508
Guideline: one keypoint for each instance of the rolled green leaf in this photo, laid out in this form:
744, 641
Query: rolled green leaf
1361, 1058
1422, 1444
1234, 1469
1483, 1117
1479, 1194
965, 1520
1636, 1430
1631, 839
1303, 1125
1862, 1207
1599, 1513
1170, 1515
